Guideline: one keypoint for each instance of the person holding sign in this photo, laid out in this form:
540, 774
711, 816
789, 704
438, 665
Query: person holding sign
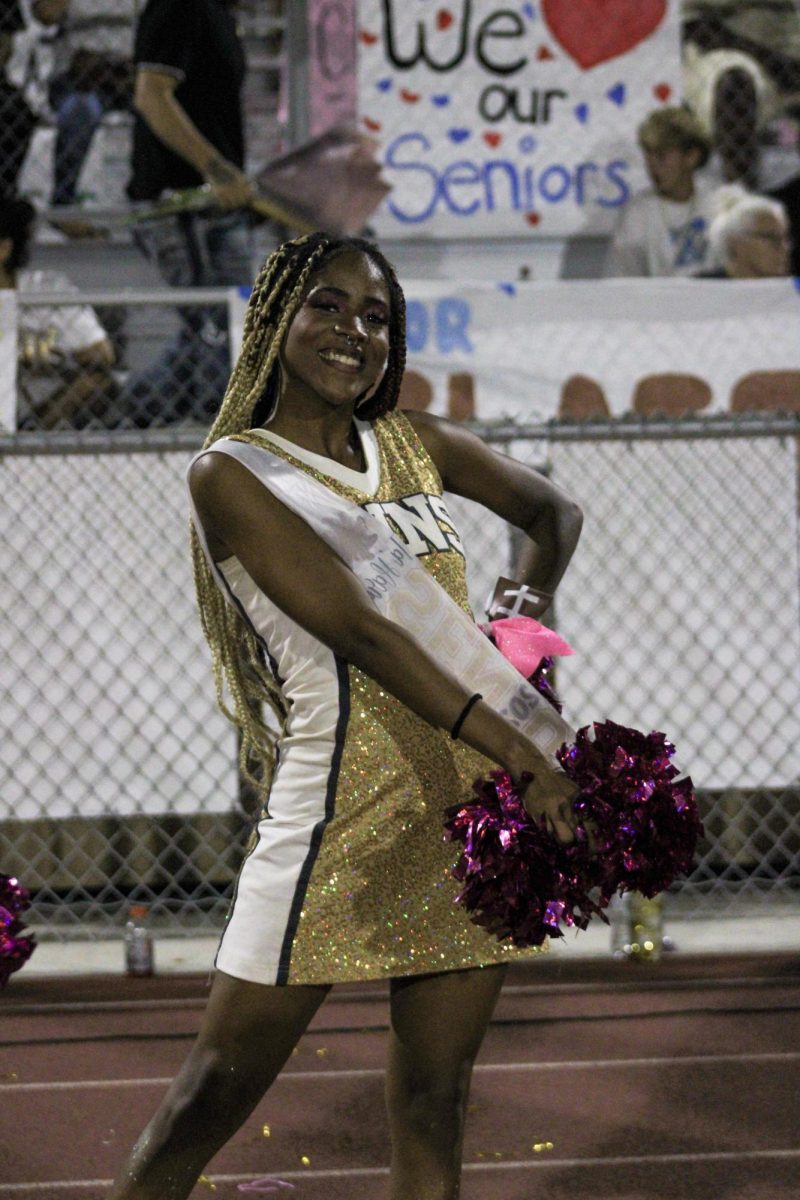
189, 129
331, 586
664, 230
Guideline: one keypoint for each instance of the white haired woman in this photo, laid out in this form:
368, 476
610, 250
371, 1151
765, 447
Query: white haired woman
749, 236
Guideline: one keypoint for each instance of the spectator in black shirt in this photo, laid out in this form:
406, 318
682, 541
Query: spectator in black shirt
190, 67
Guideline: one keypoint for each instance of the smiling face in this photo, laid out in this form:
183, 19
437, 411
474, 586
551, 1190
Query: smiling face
338, 342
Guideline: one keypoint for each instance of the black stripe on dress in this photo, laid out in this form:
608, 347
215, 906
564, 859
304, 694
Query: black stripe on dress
319, 829
273, 665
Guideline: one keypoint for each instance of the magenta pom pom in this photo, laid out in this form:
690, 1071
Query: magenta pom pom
518, 881
521, 883
14, 950
644, 821
637, 824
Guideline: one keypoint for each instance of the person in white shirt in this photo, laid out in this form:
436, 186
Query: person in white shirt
664, 229
65, 356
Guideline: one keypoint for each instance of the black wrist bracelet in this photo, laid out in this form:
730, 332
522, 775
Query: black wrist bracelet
462, 716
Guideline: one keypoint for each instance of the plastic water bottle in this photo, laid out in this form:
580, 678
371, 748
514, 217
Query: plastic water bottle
619, 916
138, 942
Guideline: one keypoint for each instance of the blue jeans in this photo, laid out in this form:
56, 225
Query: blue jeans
188, 379
77, 116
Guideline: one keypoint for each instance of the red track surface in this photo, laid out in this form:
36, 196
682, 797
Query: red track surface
672, 1082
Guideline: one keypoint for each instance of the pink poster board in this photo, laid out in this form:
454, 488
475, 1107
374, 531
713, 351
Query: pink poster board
332, 64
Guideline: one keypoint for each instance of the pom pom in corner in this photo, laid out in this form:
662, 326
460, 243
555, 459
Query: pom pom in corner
14, 949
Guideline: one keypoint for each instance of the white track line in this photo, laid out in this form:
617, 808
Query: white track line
580, 1064
538, 1164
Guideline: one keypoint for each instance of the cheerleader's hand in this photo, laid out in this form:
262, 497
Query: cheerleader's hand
550, 794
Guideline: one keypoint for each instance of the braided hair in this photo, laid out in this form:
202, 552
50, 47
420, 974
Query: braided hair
237, 656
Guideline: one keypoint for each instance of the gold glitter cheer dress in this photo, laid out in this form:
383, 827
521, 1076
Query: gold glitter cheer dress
349, 877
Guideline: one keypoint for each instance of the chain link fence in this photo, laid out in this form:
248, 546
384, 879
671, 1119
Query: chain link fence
118, 776
682, 605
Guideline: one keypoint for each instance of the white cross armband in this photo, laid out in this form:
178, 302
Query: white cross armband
512, 599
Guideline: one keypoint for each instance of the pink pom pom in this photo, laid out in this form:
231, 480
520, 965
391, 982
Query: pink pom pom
520, 882
644, 822
14, 950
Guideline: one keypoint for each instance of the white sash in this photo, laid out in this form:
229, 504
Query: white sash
401, 589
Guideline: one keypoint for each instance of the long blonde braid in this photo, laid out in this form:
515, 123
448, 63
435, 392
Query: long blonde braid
238, 657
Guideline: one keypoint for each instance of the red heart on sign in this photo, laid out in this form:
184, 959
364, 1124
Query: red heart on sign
662, 92
493, 139
593, 31
369, 39
444, 19
409, 97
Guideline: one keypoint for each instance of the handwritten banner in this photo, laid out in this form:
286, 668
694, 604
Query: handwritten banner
507, 119
331, 64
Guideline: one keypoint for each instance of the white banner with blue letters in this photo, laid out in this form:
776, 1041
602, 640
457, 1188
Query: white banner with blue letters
506, 119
